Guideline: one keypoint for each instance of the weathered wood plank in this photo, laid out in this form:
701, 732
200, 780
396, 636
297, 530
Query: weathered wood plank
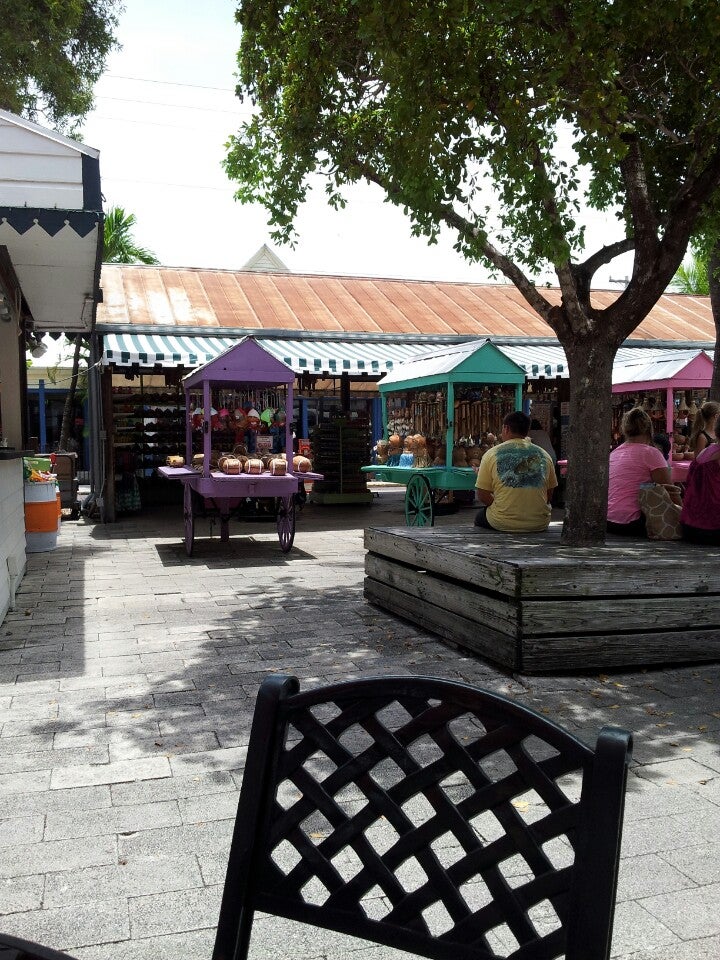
547, 616
614, 614
592, 652
537, 565
483, 609
444, 554
450, 626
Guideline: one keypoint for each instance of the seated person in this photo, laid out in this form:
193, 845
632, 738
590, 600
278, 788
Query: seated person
703, 428
663, 444
515, 481
700, 517
637, 460
541, 438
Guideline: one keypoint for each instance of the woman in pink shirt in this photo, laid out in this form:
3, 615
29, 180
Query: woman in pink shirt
634, 462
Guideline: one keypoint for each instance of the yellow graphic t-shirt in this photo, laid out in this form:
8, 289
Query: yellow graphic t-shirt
519, 475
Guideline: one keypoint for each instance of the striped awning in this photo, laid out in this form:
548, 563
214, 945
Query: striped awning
329, 358
538, 360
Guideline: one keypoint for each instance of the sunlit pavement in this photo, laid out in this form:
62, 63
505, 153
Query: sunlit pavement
128, 674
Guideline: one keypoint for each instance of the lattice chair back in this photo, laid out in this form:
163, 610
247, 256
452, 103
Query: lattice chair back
426, 815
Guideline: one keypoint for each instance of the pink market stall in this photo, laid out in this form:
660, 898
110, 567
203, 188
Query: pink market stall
662, 388
231, 388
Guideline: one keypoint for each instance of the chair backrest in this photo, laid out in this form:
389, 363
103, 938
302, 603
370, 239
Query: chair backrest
426, 815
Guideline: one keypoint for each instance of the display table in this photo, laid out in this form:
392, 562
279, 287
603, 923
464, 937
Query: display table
679, 470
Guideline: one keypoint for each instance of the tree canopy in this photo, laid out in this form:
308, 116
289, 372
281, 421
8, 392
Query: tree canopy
502, 120
119, 245
52, 52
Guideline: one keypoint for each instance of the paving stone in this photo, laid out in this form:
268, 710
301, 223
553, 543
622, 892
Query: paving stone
636, 928
145, 768
51, 759
19, 894
707, 948
205, 809
13, 783
64, 928
16, 830
48, 801
28, 859
129, 878
171, 912
122, 819
190, 945
228, 758
690, 914
167, 746
173, 841
647, 875
701, 864
173, 788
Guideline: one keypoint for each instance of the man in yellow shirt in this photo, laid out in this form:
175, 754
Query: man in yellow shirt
515, 481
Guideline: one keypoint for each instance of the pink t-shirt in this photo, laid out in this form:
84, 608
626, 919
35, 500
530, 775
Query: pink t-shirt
630, 465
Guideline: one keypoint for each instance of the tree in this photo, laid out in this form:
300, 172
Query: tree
501, 120
692, 275
700, 276
52, 54
119, 246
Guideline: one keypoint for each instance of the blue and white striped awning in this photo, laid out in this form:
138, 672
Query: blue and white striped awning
329, 358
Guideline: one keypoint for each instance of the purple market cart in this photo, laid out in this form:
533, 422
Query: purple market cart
245, 365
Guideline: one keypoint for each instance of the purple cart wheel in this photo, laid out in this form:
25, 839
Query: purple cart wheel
189, 520
286, 523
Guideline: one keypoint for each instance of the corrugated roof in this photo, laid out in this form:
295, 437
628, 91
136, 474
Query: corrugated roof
434, 363
194, 300
657, 367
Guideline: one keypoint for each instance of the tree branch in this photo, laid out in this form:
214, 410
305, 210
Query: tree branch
645, 225
468, 230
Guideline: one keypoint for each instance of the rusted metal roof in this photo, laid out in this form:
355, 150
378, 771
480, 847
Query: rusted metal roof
217, 302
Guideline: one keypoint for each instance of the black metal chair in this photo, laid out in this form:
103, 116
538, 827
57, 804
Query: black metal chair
429, 816
422, 814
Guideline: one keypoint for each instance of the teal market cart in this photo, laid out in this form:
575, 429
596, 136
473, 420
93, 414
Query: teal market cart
453, 397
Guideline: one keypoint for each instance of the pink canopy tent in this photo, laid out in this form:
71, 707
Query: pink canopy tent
675, 370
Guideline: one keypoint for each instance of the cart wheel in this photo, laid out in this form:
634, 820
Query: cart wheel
286, 523
189, 520
419, 503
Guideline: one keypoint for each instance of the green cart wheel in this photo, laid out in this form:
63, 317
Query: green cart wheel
419, 503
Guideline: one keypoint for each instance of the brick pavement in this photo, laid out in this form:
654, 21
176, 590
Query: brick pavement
127, 680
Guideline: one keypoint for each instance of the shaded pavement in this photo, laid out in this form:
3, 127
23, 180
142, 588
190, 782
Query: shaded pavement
128, 674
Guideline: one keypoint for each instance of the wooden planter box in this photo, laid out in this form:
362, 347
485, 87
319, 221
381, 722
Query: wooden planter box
532, 605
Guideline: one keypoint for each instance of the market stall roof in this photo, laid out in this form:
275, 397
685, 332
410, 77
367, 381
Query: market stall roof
51, 222
677, 369
327, 358
201, 302
356, 357
245, 361
476, 361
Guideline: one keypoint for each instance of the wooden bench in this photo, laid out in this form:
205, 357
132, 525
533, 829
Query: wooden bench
532, 605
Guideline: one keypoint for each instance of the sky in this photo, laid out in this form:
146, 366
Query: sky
166, 106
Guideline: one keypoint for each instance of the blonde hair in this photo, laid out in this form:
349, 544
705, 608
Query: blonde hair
707, 412
636, 423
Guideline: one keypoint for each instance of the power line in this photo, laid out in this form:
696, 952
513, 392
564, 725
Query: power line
150, 122
169, 83
178, 106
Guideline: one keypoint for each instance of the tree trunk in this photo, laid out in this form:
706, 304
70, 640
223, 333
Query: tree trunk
590, 362
714, 285
70, 398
